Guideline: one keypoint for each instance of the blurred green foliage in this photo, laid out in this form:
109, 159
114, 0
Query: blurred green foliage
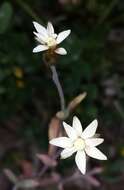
94, 64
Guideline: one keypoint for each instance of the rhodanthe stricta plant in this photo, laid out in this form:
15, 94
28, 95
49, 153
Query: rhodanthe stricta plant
48, 39
78, 141
81, 142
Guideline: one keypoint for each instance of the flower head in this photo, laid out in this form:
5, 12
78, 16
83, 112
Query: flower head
48, 39
80, 142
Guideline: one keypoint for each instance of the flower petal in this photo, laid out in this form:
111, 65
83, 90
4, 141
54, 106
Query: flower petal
90, 130
70, 131
40, 29
67, 152
94, 141
41, 37
40, 48
77, 125
62, 142
62, 35
39, 40
54, 35
50, 28
61, 51
80, 160
95, 153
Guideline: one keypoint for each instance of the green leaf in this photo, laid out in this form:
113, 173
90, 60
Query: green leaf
5, 16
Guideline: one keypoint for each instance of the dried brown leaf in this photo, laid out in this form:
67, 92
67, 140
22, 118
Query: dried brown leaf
27, 168
55, 130
11, 176
47, 160
93, 181
76, 101
27, 183
95, 171
62, 115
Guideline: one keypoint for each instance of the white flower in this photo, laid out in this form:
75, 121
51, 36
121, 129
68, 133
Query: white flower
81, 142
48, 39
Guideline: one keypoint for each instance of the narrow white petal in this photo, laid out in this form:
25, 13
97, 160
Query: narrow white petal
77, 125
54, 35
62, 35
40, 48
94, 141
40, 36
39, 40
61, 51
80, 160
95, 153
67, 152
40, 29
90, 130
62, 142
70, 131
50, 28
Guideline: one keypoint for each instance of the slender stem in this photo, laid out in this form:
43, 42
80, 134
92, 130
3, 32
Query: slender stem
107, 11
28, 10
58, 86
119, 109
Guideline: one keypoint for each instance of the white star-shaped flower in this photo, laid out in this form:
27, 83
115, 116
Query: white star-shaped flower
48, 39
81, 142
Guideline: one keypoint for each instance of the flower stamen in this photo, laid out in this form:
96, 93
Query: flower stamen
79, 144
51, 42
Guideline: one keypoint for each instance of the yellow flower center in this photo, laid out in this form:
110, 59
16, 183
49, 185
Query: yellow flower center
51, 42
79, 144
